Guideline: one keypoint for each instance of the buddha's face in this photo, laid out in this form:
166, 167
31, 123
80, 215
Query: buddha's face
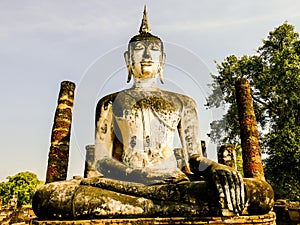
145, 59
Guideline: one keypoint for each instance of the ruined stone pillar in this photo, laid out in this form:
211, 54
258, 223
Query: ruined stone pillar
89, 158
252, 160
226, 155
203, 147
61, 131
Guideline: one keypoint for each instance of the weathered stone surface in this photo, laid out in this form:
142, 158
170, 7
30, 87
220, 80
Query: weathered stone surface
61, 131
260, 196
266, 219
89, 158
226, 155
252, 161
58, 196
101, 197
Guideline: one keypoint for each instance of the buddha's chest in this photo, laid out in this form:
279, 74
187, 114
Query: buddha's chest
143, 110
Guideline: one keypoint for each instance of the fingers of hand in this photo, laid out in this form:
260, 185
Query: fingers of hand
230, 186
220, 189
229, 190
236, 186
237, 181
242, 191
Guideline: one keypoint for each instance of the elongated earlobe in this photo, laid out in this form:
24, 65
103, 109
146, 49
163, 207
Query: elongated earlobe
161, 75
161, 68
129, 75
127, 61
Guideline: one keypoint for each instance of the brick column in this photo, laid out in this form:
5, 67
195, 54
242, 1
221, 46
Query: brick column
61, 131
252, 161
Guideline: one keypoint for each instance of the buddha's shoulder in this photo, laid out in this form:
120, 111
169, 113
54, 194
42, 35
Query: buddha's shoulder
107, 99
181, 97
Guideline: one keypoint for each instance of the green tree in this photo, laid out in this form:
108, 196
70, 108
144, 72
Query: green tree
22, 185
274, 76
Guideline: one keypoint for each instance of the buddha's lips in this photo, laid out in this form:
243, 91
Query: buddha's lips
147, 63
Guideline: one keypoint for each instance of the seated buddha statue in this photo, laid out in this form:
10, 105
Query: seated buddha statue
135, 170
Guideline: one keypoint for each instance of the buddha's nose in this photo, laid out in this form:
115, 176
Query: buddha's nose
147, 54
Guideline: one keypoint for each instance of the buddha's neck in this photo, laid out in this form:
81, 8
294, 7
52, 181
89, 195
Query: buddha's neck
145, 83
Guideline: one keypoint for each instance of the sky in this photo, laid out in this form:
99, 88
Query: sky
43, 43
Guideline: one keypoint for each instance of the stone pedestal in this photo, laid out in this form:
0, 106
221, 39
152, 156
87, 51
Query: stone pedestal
266, 219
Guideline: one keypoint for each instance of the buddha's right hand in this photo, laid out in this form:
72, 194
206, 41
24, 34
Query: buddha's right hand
228, 182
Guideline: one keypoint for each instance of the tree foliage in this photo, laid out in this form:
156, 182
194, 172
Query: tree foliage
22, 185
274, 76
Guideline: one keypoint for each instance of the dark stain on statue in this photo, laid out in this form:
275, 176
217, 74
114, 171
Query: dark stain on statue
133, 142
147, 141
126, 112
104, 128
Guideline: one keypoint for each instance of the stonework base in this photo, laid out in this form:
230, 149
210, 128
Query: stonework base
266, 219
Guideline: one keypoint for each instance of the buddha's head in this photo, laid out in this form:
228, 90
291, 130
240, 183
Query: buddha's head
145, 57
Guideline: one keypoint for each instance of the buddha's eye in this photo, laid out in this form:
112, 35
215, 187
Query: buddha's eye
155, 47
139, 47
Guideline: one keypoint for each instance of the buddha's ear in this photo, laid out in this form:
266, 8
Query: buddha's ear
128, 65
162, 66
126, 57
163, 60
